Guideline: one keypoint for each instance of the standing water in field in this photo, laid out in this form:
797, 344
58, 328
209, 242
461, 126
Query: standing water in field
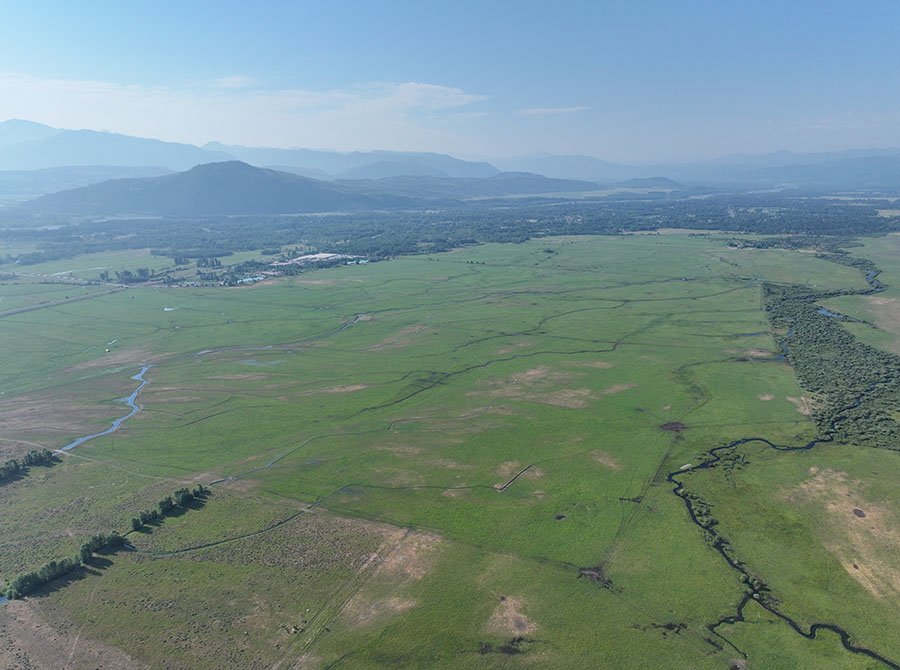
130, 401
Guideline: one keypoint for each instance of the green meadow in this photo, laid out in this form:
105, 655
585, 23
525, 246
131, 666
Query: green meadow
453, 460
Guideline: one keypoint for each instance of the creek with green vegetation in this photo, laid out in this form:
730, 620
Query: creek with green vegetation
803, 345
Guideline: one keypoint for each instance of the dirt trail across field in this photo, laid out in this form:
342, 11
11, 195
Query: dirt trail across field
56, 303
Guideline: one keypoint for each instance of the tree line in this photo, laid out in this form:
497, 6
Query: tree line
28, 582
13, 467
182, 497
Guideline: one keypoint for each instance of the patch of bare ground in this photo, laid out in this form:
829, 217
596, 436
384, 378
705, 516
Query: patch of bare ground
603, 365
116, 358
617, 388
508, 619
606, 460
863, 536
803, 404
512, 348
402, 449
455, 492
758, 353
346, 388
538, 385
160, 398
508, 469
58, 415
403, 561
449, 463
401, 338
766, 396
28, 641
412, 557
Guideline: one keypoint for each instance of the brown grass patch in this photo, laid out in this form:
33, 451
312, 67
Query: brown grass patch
606, 460
28, 640
508, 620
450, 464
413, 557
365, 612
508, 469
591, 364
766, 396
574, 398
115, 358
511, 348
535, 385
803, 404
758, 353
617, 388
864, 536
52, 417
399, 339
347, 388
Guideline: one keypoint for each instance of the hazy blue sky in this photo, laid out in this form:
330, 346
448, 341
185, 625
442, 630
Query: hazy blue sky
629, 81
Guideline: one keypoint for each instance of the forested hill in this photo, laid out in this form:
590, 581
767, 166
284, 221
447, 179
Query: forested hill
237, 188
224, 188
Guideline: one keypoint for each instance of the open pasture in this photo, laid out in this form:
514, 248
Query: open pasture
474, 442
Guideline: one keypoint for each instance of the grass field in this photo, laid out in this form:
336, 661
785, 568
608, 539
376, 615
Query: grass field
416, 459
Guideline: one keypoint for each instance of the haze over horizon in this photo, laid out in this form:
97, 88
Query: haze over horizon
637, 83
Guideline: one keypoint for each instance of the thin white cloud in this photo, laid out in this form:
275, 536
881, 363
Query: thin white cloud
401, 115
549, 111
234, 81
465, 116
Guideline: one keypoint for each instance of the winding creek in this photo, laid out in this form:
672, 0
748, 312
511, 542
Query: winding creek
756, 590
131, 401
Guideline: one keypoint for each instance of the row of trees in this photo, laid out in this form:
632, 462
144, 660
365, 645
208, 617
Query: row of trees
182, 497
30, 581
13, 467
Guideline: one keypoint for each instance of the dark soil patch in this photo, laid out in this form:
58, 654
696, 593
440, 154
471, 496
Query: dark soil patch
510, 648
595, 574
560, 517
858, 512
673, 426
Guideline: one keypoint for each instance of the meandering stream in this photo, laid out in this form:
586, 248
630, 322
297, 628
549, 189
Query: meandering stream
757, 591
131, 401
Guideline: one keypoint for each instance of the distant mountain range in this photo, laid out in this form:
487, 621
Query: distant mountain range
360, 164
25, 184
235, 187
855, 169
27, 146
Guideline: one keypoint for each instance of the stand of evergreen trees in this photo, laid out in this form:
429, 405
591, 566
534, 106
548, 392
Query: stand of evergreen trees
11, 468
30, 581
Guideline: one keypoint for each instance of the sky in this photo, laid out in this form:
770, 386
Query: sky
632, 81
